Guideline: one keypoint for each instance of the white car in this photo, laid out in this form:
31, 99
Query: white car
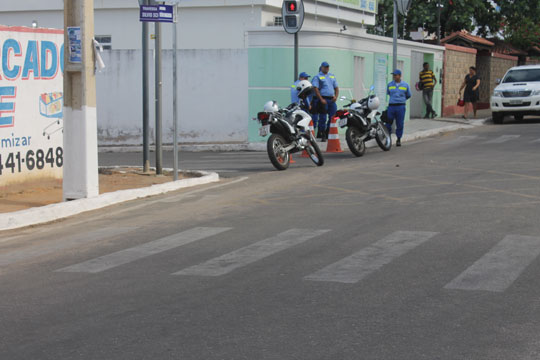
517, 94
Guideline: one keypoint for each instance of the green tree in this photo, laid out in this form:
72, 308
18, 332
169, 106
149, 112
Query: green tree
456, 15
520, 22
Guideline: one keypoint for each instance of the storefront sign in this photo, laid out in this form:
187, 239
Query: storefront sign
364, 5
31, 104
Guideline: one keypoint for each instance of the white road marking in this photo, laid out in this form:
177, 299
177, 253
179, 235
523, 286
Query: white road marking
138, 252
202, 199
225, 264
536, 141
460, 140
354, 268
501, 266
63, 243
502, 139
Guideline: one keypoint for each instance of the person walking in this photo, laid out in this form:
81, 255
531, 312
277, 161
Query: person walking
399, 92
294, 90
326, 94
428, 81
472, 94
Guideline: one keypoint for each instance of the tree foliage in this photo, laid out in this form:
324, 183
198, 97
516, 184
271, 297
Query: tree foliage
456, 15
520, 23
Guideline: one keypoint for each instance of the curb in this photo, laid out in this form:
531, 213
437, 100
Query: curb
48, 213
261, 146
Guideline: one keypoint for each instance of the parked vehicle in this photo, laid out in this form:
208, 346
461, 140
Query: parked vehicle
289, 133
518, 94
363, 122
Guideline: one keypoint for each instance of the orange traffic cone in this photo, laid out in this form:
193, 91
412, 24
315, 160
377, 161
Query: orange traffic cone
334, 145
312, 129
291, 161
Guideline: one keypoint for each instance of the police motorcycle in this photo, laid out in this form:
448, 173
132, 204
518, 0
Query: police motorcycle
363, 122
289, 129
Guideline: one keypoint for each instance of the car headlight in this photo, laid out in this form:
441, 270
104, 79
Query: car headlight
497, 93
535, 93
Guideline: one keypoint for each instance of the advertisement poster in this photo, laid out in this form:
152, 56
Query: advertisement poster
31, 104
75, 44
380, 77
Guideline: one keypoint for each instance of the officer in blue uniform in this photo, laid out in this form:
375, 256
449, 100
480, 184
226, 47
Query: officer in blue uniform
399, 92
326, 94
306, 104
294, 91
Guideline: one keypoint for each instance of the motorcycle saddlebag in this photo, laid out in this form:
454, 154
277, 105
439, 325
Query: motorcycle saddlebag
384, 117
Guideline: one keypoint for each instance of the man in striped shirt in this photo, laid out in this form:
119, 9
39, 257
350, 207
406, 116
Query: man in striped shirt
428, 81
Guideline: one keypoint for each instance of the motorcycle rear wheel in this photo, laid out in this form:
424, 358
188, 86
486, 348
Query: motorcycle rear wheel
278, 156
384, 139
356, 145
314, 152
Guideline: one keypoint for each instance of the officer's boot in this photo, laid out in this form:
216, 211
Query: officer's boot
324, 136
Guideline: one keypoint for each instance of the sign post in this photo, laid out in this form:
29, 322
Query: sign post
292, 12
157, 14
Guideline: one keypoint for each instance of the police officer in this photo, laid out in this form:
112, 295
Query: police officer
399, 92
294, 90
326, 94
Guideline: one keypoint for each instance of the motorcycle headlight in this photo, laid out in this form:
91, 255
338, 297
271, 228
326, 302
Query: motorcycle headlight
497, 93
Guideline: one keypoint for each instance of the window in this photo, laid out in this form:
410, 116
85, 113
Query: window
105, 41
278, 21
525, 75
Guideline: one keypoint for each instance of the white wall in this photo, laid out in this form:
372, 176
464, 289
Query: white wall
213, 97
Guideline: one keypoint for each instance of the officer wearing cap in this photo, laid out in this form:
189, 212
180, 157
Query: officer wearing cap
326, 94
399, 92
294, 91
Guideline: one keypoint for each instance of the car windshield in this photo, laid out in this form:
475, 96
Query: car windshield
525, 75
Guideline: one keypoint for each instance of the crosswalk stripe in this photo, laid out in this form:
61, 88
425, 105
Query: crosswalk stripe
362, 263
502, 139
141, 251
460, 139
225, 264
63, 243
500, 267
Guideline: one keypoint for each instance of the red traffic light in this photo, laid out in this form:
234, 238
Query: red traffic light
292, 7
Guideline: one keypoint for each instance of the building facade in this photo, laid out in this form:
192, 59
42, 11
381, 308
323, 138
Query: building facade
233, 57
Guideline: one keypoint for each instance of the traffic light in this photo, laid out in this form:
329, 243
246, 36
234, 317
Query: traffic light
292, 7
292, 12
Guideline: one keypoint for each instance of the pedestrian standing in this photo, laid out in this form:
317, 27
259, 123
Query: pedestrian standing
326, 94
294, 90
428, 81
472, 94
399, 92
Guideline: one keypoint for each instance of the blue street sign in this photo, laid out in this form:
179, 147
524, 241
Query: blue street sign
157, 13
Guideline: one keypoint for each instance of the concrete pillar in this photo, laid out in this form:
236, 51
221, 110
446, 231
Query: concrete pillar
80, 119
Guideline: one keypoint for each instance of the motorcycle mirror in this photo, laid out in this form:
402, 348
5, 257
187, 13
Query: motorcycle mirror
372, 88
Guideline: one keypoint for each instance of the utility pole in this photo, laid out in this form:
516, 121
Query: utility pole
145, 96
175, 100
159, 93
80, 116
394, 50
439, 22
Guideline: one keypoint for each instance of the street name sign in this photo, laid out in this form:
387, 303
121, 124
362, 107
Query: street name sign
157, 13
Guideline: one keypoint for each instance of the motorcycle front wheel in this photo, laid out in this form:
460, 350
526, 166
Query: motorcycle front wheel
314, 152
355, 141
383, 137
279, 157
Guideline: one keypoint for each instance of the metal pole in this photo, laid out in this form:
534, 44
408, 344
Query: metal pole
439, 22
145, 95
394, 53
175, 105
295, 56
158, 85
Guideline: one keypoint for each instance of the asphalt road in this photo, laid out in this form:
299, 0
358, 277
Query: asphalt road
430, 251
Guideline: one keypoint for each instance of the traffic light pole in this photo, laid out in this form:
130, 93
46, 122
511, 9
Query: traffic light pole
295, 56
394, 50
